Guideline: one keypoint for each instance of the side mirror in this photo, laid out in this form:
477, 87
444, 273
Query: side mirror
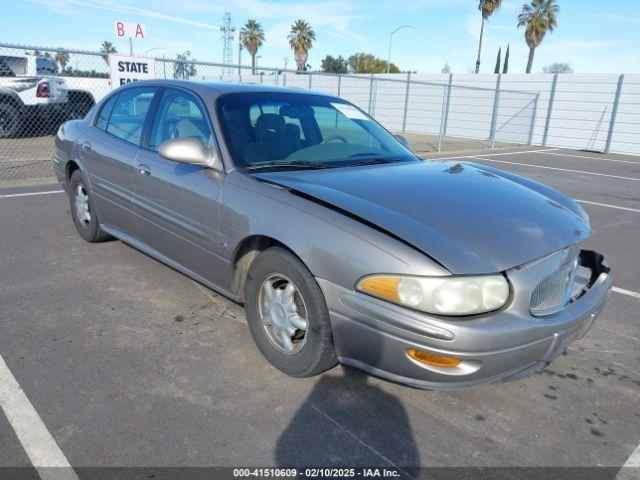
403, 140
189, 150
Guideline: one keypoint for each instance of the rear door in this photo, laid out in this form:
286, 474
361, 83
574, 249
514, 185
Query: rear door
108, 151
178, 204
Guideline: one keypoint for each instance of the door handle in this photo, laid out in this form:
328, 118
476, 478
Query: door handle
143, 170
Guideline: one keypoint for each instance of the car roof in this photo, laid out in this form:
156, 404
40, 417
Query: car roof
219, 88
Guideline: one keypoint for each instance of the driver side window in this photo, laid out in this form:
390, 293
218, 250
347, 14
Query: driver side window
178, 116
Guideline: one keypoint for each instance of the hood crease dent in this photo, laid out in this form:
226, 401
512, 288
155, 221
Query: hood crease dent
469, 218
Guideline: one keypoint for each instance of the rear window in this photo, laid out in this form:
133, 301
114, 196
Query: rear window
45, 66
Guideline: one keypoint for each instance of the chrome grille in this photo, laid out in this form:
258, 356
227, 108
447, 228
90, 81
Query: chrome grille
552, 294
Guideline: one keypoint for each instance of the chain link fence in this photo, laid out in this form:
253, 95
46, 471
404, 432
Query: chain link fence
40, 88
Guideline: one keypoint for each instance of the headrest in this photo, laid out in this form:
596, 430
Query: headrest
187, 128
293, 131
269, 122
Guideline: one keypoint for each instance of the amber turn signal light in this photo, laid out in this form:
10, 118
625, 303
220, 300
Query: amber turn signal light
433, 359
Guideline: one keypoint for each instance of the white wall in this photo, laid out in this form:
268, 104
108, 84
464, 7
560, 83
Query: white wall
580, 119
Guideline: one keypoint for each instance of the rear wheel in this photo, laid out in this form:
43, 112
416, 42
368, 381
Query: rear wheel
10, 120
288, 315
85, 217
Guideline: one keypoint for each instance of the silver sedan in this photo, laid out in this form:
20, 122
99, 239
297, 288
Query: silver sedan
342, 245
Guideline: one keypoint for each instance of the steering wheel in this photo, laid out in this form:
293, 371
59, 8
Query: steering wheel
334, 137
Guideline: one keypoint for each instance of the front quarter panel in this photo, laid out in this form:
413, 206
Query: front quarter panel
333, 246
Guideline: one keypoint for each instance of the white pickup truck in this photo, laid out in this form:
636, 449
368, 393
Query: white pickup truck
33, 97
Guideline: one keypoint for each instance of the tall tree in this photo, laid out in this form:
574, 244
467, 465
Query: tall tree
182, 69
367, 63
538, 18
486, 7
252, 38
107, 48
301, 38
498, 61
62, 59
446, 68
334, 65
505, 69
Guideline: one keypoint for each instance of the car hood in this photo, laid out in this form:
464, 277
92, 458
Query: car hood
469, 218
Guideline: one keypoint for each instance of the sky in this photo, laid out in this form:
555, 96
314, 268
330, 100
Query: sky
593, 36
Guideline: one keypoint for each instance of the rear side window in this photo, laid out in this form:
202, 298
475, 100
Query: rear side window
105, 111
129, 113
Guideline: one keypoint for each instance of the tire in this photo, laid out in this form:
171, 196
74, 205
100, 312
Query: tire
86, 222
312, 349
10, 120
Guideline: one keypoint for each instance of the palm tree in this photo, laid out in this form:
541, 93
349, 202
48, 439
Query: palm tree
107, 48
487, 7
539, 17
62, 59
301, 40
252, 38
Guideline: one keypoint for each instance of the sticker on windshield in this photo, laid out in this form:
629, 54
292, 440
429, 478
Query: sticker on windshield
349, 111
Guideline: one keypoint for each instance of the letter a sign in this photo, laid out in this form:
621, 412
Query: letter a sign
130, 30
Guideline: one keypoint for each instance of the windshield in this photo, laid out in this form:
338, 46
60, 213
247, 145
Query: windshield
289, 130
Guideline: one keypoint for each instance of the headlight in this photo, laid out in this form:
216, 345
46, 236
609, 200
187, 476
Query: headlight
440, 295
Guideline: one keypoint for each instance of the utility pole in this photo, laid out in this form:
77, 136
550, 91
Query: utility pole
390, 40
239, 54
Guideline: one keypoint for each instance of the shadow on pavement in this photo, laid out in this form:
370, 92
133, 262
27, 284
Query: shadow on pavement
346, 421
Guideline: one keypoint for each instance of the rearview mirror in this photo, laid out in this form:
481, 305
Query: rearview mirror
189, 150
403, 140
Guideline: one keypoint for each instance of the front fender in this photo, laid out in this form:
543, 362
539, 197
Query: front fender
333, 246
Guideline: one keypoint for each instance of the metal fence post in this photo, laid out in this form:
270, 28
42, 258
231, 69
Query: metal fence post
533, 118
339, 84
552, 97
446, 109
310, 80
406, 103
370, 93
284, 79
494, 115
614, 114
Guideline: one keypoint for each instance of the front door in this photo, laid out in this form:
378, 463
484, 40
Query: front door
178, 204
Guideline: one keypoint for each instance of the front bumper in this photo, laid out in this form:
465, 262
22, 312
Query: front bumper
509, 344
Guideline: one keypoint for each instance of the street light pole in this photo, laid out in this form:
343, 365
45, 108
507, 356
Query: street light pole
390, 40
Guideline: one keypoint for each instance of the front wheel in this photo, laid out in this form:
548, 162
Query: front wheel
288, 315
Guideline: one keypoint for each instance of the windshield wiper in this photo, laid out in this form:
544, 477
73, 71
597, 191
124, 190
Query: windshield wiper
295, 164
373, 161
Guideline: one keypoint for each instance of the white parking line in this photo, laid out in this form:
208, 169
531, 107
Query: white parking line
11, 195
40, 446
548, 152
629, 470
626, 292
495, 154
557, 168
617, 207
